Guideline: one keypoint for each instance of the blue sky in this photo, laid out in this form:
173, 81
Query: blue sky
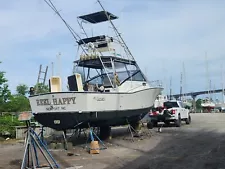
162, 34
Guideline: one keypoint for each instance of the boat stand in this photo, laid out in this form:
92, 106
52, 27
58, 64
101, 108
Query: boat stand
77, 131
80, 131
30, 158
160, 128
65, 140
131, 130
149, 132
91, 136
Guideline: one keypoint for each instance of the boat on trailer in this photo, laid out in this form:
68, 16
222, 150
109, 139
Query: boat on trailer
107, 87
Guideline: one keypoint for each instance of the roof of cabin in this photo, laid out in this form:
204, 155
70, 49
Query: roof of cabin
98, 17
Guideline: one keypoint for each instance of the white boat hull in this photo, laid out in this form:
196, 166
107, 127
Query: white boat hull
212, 105
65, 110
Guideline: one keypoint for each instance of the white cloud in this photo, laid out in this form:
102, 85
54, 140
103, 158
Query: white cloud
184, 36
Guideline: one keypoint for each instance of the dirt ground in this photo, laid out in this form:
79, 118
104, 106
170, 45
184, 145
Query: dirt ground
200, 145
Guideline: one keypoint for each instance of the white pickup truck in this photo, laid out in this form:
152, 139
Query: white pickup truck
172, 111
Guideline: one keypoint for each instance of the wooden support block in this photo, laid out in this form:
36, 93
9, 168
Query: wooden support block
94, 148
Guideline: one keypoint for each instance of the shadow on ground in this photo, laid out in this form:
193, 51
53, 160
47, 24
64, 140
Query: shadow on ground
117, 133
183, 150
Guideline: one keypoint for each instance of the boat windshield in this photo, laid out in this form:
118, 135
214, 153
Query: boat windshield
134, 75
93, 71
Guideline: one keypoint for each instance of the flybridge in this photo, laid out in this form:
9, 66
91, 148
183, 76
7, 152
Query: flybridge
101, 43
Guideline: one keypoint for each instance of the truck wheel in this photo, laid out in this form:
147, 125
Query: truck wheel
188, 120
150, 125
178, 121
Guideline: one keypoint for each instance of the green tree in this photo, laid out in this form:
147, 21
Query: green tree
22, 89
17, 103
198, 104
40, 88
4, 91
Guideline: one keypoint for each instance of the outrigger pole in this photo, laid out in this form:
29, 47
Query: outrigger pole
117, 32
74, 34
115, 29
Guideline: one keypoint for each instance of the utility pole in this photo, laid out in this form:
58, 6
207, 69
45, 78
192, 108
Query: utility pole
222, 75
58, 56
52, 69
207, 76
181, 86
171, 88
58, 60
165, 83
184, 87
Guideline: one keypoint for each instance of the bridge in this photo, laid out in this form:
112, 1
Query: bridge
195, 94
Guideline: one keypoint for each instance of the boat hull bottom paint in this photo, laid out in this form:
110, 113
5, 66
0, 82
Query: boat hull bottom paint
70, 120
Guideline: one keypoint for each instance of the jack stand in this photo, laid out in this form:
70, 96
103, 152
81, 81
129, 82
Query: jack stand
160, 128
75, 133
83, 130
65, 140
30, 158
91, 136
142, 123
150, 133
96, 130
131, 130
80, 131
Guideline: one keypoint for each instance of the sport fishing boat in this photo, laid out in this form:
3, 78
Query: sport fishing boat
208, 105
160, 100
107, 87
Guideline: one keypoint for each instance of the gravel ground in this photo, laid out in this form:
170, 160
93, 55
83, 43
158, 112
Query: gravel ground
200, 145
10, 155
